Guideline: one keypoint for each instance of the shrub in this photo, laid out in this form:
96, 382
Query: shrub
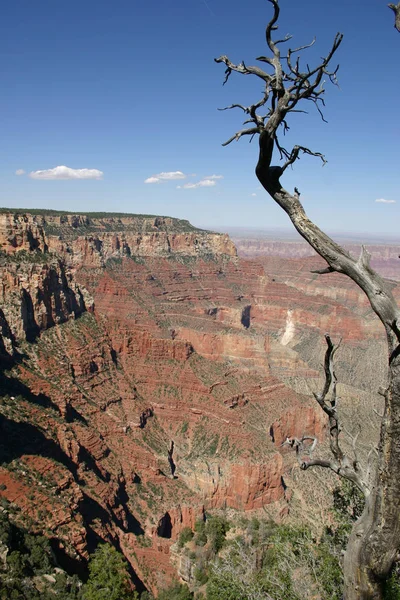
201, 535
185, 536
176, 591
224, 587
109, 577
216, 529
200, 575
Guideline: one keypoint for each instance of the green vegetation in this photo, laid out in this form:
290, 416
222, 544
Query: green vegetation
260, 559
392, 586
109, 577
261, 562
27, 572
176, 591
201, 535
185, 536
216, 529
204, 442
24, 257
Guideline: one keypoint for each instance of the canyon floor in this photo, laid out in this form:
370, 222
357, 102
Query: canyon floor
150, 372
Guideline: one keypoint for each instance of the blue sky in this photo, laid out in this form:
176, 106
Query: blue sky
129, 88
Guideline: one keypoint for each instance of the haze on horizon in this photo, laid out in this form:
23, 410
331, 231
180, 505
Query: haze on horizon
114, 108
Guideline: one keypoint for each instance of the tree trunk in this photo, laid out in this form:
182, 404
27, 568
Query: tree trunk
375, 538
359, 581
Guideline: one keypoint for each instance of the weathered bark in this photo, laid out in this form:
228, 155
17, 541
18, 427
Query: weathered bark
375, 539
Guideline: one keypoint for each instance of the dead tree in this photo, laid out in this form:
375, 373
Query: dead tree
288, 85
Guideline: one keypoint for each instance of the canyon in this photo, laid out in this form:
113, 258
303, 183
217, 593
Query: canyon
151, 372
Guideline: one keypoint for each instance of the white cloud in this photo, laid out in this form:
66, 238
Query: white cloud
20, 172
254, 195
202, 183
214, 177
383, 201
168, 176
63, 172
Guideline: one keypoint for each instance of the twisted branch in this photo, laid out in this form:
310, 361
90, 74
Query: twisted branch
341, 464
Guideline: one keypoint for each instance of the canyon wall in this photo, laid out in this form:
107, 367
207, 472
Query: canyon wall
149, 375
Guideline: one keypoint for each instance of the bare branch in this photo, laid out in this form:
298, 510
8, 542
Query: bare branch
272, 26
252, 111
396, 9
301, 448
244, 108
284, 40
241, 68
239, 134
354, 439
375, 287
300, 48
282, 151
319, 462
294, 155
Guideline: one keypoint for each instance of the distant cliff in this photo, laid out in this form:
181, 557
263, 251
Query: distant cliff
93, 239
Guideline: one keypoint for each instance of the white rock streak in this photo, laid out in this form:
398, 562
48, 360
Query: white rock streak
288, 334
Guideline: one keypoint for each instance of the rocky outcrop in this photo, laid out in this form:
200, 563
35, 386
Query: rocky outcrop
244, 486
297, 422
21, 232
37, 292
7, 340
